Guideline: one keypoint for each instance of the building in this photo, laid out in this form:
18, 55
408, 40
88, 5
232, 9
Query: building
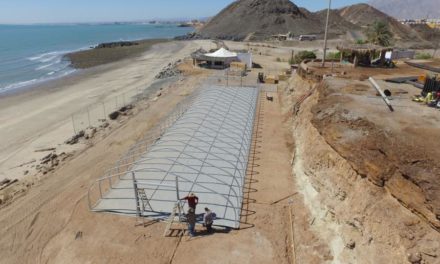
220, 59
363, 55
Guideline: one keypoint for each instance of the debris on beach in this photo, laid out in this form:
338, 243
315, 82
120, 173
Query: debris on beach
73, 140
104, 125
6, 182
45, 150
169, 71
51, 161
122, 111
90, 132
49, 158
117, 44
24, 164
113, 115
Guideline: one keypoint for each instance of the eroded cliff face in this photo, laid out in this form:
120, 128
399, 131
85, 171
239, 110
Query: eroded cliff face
369, 198
403, 159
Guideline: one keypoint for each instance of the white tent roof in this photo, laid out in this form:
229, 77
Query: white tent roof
222, 53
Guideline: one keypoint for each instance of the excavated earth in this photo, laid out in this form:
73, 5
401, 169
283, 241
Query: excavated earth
368, 177
400, 154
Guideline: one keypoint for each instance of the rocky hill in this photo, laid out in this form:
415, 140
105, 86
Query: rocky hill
408, 9
261, 19
363, 15
337, 24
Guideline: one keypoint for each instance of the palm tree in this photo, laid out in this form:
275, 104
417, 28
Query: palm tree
378, 33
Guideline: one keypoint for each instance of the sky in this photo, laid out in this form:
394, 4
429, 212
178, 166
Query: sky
70, 11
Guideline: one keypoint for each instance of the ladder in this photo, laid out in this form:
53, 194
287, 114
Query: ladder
175, 217
145, 203
144, 200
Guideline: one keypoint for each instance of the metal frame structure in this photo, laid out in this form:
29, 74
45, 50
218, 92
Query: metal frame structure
204, 151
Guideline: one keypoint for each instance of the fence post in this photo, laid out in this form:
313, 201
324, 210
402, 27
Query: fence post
135, 187
178, 198
73, 125
88, 116
103, 108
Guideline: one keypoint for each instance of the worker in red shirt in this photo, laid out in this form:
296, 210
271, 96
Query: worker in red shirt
192, 199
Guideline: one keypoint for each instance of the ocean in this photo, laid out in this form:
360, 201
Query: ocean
30, 54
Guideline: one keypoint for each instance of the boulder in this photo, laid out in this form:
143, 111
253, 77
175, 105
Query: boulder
73, 140
104, 125
351, 244
415, 258
90, 133
114, 115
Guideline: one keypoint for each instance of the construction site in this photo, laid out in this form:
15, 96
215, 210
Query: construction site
269, 134
307, 165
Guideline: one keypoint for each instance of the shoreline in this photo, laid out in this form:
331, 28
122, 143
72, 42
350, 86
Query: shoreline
109, 52
79, 73
41, 116
79, 60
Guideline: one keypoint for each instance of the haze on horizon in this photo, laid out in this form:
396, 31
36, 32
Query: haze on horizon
82, 11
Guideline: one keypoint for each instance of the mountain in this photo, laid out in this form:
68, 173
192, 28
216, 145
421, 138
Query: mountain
260, 19
337, 24
364, 15
408, 9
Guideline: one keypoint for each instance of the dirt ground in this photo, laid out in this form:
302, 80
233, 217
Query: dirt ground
338, 180
54, 215
51, 223
368, 177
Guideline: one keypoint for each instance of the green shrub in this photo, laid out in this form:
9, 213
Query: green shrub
379, 33
333, 55
303, 55
360, 41
278, 59
423, 56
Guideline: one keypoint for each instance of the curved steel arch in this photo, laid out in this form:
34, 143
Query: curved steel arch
207, 147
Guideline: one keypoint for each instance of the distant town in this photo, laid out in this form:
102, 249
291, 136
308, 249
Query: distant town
432, 23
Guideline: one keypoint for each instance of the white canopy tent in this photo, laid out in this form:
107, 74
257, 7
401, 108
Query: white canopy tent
222, 54
221, 58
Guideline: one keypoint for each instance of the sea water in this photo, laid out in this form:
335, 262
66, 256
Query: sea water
34, 53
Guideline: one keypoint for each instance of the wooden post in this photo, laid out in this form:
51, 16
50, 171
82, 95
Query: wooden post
291, 57
382, 58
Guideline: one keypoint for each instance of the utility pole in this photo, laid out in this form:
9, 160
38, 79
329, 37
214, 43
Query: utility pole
326, 32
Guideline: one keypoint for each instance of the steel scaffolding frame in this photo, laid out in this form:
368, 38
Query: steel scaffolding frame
205, 151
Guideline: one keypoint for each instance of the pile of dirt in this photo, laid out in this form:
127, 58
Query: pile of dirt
259, 19
396, 157
364, 15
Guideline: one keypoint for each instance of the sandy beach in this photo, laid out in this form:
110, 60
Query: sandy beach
41, 117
